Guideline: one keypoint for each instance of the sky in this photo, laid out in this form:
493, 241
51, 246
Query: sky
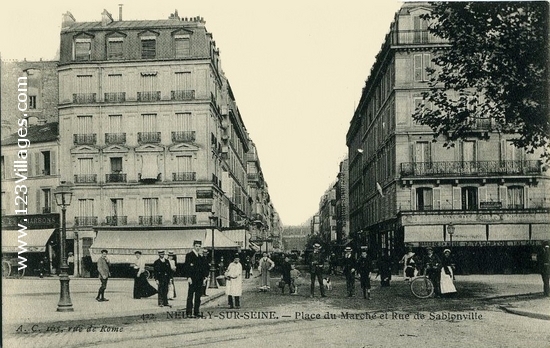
296, 67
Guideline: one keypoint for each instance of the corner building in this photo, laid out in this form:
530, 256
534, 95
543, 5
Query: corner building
150, 132
484, 198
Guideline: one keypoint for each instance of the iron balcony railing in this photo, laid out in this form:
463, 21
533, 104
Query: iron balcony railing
85, 139
115, 97
84, 98
115, 177
183, 94
148, 137
183, 136
150, 220
148, 96
117, 220
416, 37
115, 138
184, 176
85, 220
451, 168
85, 178
185, 219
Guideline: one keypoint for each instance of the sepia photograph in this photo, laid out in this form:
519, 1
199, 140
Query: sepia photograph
275, 174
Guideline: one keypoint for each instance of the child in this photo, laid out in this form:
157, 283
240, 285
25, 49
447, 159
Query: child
294, 275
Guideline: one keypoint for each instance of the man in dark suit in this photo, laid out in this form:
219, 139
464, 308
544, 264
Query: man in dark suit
162, 273
196, 269
544, 266
349, 265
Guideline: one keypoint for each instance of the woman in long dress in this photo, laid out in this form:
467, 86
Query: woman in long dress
234, 284
142, 288
447, 274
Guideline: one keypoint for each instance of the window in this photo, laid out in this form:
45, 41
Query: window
46, 161
117, 207
47, 207
422, 153
148, 85
32, 102
85, 207
82, 49
114, 48
185, 206
421, 62
150, 207
149, 122
116, 165
515, 197
469, 156
424, 198
84, 124
469, 198
182, 46
420, 30
148, 47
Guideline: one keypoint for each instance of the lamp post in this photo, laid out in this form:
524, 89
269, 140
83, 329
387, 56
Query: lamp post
213, 284
451, 230
63, 195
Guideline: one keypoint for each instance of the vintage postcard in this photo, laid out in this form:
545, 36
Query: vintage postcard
282, 174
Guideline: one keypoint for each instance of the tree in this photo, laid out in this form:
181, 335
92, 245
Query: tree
496, 67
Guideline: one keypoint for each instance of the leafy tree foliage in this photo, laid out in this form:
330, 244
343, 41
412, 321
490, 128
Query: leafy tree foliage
496, 67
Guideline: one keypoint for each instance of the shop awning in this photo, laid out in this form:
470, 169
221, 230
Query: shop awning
35, 240
121, 244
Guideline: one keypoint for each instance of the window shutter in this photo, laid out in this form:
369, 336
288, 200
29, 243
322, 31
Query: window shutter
53, 163
503, 196
482, 193
457, 198
437, 198
417, 67
502, 151
38, 205
37, 167
413, 198
425, 64
526, 197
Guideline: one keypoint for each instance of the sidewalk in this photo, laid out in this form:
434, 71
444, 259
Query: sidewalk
34, 300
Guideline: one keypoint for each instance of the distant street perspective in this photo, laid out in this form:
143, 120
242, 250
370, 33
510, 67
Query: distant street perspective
372, 175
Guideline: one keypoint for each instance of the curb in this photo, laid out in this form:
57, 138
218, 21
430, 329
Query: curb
525, 313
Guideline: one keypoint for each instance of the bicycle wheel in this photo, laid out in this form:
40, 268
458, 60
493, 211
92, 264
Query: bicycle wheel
19, 273
422, 287
6, 269
147, 274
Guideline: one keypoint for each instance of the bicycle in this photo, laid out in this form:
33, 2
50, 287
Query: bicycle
10, 268
422, 287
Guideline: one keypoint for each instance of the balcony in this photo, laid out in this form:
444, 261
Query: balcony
84, 98
148, 96
150, 220
115, 138
479, 168
117, 220
183, 94
85, 220
184, 176
115, 177
184, 220
115, 97
416, 37
85, 178
183, 136
85, 139
148, 137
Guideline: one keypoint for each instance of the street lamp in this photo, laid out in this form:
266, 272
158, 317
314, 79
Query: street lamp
451, 230
213, 283
63, 195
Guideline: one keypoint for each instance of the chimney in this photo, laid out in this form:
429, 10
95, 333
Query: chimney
67, 20
106, 18
120, 12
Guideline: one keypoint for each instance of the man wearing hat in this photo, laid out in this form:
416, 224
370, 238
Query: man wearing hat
348, 266
544, 265
432, 263
103, 270
364, 269
196, 268
162, 273
205, 285
316, 270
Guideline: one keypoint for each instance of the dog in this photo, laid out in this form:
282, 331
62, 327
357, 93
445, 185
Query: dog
327, 284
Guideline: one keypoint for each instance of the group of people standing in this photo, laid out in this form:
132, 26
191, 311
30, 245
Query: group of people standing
440, 270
